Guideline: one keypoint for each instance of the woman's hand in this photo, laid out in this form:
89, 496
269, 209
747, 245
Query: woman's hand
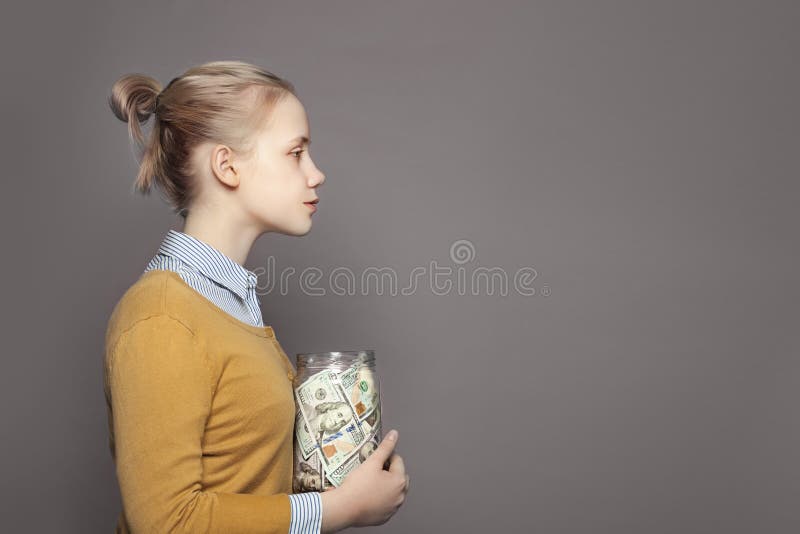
369, 494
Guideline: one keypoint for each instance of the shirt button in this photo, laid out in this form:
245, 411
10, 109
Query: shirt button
290, 375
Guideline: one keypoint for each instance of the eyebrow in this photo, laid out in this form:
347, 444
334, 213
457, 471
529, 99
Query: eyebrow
300, 138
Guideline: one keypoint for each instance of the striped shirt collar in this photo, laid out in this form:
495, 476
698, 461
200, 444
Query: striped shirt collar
209, 261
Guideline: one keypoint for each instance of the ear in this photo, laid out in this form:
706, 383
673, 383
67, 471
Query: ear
222, 165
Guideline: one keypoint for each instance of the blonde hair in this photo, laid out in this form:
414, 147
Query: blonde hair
223, 102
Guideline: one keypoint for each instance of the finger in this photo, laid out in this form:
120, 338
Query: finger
396, 464
384, 450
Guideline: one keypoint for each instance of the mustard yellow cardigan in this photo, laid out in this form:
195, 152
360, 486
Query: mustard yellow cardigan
200, 414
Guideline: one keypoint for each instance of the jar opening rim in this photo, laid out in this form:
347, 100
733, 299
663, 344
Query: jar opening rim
336, 353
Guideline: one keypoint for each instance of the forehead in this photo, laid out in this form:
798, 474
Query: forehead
288, 120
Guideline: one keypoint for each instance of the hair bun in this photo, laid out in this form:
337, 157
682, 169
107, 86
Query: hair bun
134, 96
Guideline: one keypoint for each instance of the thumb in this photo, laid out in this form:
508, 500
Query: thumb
385, 449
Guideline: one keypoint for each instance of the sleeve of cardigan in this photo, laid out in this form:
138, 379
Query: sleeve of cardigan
161, 388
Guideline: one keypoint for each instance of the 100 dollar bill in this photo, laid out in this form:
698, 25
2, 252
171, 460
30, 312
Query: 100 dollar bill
337, 448
307, 443
360, 389
329, 418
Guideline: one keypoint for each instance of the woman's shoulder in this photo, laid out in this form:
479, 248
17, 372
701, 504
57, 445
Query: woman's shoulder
155, 293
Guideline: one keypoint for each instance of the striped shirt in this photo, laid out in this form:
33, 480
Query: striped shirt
233, 288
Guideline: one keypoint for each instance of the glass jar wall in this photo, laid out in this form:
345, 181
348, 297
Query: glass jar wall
338, 419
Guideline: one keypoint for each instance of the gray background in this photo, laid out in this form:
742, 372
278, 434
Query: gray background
641, 156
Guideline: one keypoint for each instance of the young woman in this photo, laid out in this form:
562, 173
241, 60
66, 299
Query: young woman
199, 393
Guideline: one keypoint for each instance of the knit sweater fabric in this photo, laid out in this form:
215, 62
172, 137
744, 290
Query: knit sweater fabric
200, 414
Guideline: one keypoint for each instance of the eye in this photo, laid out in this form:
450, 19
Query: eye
297, 154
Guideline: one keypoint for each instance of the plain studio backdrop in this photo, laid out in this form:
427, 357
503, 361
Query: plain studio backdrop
619, 179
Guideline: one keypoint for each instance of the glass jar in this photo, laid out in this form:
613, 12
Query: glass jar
338, 420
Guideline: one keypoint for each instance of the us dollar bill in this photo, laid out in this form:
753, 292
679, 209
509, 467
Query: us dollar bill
336, 448
308, 473
371, 425
361, 389
329, 417
315, 396
307, 444
338, 475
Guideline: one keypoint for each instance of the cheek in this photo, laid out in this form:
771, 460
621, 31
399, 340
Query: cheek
266, 195
266, 177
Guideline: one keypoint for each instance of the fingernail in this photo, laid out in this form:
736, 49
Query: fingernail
392, 435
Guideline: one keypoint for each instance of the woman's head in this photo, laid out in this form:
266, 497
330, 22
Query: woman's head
223, 140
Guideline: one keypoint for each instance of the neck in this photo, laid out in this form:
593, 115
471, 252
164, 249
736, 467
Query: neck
229, 236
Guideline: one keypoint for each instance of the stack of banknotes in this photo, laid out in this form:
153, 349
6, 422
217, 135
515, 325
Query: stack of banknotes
337, 425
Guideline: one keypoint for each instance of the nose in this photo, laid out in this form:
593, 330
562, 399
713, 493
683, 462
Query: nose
318, 179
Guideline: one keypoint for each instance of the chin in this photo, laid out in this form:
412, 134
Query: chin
297, 231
